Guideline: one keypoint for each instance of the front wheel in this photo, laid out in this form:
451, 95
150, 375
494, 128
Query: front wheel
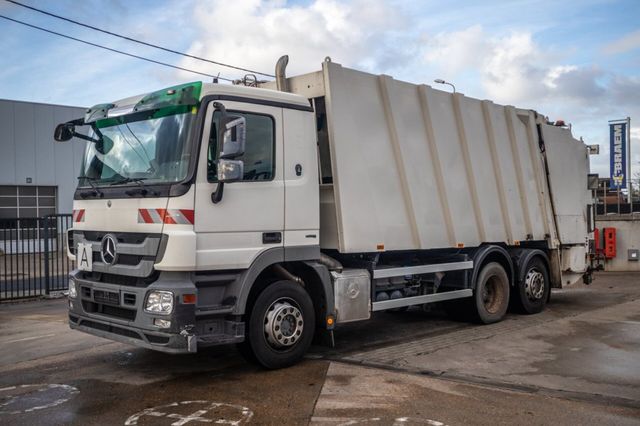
281, 325
491, 295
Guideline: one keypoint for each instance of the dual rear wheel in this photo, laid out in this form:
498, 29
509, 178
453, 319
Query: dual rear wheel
493, 293
534, 289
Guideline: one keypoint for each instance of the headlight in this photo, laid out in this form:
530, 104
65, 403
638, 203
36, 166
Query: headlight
72, 289
159, 302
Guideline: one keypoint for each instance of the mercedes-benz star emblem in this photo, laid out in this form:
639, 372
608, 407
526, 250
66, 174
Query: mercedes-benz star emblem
108, 250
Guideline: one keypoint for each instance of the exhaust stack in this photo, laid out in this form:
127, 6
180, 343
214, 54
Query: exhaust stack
281, 77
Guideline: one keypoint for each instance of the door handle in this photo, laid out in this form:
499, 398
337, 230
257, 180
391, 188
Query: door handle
271, 237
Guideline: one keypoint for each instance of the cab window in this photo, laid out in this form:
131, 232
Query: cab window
259, 155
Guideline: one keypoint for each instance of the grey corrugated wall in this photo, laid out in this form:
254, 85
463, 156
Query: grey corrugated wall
27, 148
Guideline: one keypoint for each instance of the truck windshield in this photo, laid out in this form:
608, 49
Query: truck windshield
152, 146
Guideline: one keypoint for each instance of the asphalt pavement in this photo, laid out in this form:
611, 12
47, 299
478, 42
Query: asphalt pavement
576, 363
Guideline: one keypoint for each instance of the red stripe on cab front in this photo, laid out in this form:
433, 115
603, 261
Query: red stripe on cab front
166, 216
78, 215
189, 215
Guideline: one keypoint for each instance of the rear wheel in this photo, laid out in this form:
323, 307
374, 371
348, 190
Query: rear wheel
491, 294
280, 326
533, 291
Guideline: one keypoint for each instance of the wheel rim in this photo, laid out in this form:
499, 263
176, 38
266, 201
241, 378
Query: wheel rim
534, 285
492, 294
283, 323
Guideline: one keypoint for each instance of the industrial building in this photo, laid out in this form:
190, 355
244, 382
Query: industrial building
37, 176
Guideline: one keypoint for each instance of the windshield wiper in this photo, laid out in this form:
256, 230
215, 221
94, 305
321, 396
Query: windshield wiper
140, 181
95, 191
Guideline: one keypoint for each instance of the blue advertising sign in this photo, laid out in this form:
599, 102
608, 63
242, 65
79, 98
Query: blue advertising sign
618, 153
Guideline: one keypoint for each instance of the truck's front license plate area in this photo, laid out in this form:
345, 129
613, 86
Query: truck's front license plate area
106, 297
84, 257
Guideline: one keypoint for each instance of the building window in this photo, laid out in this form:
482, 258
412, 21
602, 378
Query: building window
27, 201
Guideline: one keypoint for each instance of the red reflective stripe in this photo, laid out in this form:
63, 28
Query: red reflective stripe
166, 216
80, 215
189, 215
170, 217
145, 215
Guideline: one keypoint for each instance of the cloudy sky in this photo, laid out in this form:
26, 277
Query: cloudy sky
574, 60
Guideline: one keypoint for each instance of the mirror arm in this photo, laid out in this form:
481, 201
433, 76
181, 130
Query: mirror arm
84, 137
223, 110
216, 196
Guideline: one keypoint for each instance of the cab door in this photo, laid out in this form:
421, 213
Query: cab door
250, 216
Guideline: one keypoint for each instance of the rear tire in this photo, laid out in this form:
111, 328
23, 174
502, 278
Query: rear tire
491, 294
532, 293
280, 327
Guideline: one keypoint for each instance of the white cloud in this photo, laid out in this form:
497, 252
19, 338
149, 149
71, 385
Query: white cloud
455, 52
254, 33
512, 70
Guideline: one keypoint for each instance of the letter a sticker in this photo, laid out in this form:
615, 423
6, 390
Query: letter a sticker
84, 262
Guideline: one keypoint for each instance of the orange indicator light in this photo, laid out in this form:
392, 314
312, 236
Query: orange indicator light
189, 299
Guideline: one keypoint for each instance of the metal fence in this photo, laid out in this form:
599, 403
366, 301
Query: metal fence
619, 201
33, 257
621, 208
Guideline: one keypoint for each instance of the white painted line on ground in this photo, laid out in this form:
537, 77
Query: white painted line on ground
30, 338
49, 395
208, 413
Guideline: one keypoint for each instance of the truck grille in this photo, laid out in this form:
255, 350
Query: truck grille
106, 297
136, 252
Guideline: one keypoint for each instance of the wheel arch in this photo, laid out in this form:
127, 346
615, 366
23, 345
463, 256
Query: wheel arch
304, 264
492, 253
521, 257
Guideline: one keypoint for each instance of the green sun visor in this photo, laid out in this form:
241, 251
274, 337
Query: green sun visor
171, 100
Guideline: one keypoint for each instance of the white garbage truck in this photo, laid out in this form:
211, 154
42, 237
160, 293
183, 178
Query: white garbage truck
266, 213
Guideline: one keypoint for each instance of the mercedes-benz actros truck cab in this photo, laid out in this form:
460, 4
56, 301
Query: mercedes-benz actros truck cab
211, 214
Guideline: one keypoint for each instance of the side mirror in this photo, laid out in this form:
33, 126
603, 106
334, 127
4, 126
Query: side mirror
230, 170
103, 145
233, 131
63, 132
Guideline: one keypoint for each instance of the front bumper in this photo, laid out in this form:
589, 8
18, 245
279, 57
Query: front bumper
122, 318
170, 343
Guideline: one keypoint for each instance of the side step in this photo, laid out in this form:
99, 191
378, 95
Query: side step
422, 269
419, 300
383, 273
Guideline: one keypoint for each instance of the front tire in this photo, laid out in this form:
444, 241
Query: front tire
281, 325
491, 295
533, 291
